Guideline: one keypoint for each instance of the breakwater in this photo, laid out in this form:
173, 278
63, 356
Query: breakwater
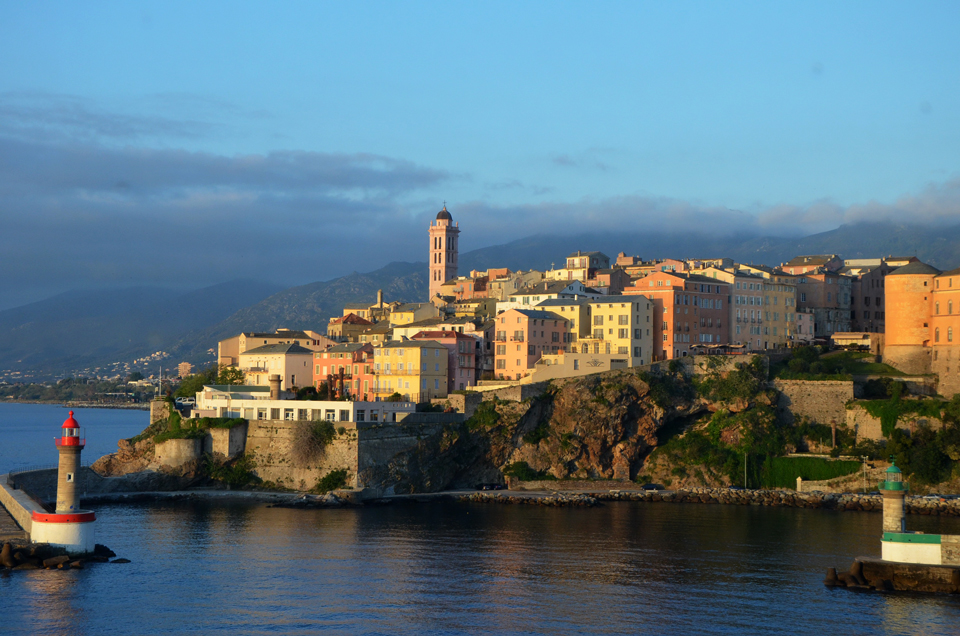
786, 498
553, 499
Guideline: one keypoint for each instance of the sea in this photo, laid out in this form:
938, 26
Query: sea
450, 568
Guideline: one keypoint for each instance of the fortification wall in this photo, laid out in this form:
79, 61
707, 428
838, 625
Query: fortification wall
229, 442
270, 444
912, 359
177, 452
870, 427
822, 402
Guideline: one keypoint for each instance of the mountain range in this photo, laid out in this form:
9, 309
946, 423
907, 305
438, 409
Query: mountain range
78, 330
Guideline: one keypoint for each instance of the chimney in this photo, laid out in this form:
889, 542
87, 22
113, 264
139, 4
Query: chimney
274, 387
380, 298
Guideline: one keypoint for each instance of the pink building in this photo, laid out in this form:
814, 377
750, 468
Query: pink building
522, 337
462, 358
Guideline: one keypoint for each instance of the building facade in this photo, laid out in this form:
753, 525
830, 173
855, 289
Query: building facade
522, 337
417, 370
688, 310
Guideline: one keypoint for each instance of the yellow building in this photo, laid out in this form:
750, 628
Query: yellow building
618, 325
417, 370
412, 312
779, 306
229, 350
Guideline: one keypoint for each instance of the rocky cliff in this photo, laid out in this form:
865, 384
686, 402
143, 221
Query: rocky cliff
601, 426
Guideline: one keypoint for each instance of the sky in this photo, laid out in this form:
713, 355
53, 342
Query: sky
189, 143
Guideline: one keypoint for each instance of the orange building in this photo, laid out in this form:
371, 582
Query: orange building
356, 360
909, 310
689, 310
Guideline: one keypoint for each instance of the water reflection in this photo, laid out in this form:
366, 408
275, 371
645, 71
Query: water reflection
446, 568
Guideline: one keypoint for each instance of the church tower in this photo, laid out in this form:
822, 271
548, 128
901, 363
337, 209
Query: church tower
443, 250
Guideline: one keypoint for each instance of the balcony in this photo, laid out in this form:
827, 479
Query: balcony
516, 339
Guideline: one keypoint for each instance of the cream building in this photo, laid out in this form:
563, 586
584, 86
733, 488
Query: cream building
291, 362
229, 350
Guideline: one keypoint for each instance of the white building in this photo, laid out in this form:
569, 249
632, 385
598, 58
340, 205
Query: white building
254, 403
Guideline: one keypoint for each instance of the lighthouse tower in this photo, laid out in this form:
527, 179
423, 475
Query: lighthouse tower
894, 492
69, 446
69, 527
444, 236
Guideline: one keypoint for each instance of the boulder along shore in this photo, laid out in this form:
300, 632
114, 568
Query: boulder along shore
786, 498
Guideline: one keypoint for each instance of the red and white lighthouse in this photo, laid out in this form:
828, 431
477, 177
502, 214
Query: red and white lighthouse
69, 526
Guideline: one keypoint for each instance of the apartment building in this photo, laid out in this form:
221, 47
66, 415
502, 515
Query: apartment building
827, 295
868, 294
417, 370
688, 310
355, 359
229, 349
745, 305
462, 353
522, 337
293, 363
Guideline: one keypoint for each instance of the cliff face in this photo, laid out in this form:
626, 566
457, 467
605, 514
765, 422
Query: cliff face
599, 427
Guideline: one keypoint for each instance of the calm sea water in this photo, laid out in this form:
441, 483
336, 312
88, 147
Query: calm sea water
623, 568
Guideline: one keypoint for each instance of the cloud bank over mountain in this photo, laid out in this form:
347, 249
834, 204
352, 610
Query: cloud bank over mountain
92, 199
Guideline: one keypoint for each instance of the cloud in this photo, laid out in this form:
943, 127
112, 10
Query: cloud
36, 115
78, 211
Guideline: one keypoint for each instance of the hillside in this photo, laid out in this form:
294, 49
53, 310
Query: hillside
105, 326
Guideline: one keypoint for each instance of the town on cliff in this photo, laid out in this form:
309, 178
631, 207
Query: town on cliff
679, 373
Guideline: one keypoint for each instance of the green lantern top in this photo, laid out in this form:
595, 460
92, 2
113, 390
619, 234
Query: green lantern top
894, 480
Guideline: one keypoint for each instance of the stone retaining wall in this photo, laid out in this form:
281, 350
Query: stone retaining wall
869, 427
177, 452
823, 402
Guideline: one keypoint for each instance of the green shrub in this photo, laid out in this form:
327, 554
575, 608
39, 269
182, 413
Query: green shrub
180, 433
331, 481
235, 474
522, 471
484, 417
541, 432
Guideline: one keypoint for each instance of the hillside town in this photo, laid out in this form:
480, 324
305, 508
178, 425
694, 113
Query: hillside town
486, 330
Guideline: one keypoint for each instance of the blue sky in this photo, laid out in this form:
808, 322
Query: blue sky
243, 123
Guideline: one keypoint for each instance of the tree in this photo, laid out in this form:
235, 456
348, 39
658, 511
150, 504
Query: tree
193, 384
230, 375
135, 376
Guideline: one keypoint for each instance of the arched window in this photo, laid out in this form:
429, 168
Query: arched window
936, 334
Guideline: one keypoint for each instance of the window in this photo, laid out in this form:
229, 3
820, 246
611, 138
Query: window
623, 320
949, 334
436, 384
803, 297
936, 334
501, 364
598, 320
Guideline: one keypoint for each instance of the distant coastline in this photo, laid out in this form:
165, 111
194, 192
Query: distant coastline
81, 405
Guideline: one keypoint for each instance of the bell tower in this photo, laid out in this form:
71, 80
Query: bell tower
444, 236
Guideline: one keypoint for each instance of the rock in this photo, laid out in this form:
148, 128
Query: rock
831, 579
64, 566
27, 566
120, 561
103, 551
53, 562
6, 556
77, 564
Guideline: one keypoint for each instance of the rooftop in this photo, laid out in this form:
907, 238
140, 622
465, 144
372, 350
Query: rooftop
277, 349
915, 268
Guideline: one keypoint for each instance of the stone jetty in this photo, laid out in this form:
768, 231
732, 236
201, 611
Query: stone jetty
783, 498
554, 500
